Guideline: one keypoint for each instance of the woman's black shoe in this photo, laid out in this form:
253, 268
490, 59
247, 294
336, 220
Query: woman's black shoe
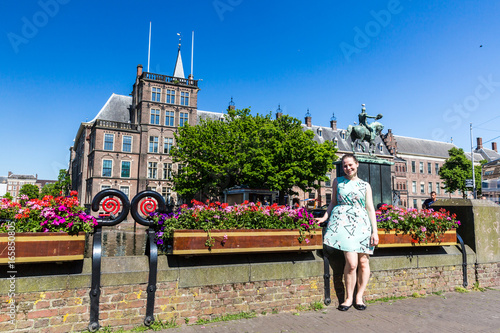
360, 306
344, 307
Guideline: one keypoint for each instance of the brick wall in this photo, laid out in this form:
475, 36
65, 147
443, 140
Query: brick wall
124, 305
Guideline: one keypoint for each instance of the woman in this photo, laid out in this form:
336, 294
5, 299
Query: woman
352, 228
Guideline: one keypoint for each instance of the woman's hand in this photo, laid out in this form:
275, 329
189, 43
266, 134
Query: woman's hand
374, 238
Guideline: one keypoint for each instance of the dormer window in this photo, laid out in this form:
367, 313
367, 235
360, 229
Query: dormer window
342, 135
320, 132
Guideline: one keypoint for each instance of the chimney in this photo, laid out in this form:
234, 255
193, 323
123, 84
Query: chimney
279, 113
231, 104
479, 143
494, 146
10, 173
139, 70
333, 122
308, 119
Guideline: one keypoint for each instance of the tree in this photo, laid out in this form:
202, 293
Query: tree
256, 151
63, 184
457, 169
49, 189
31, 190
8, 196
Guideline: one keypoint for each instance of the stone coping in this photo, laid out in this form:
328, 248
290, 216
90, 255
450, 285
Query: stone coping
200, 271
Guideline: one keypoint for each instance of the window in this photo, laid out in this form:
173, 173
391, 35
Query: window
312, 195
125, 169
430, 187
167, 170
179, 168
413, 167
421, 167
170, 96
183, 119
156, 94
167, 145
108, 141
166, 193
436, 166
125, 190
422, 188
155, 117
415, 204
320, 132
328, 198
414, 187
105, 187
342, 135
152, 170
169, 118
153, 144
151, 188
328, 182
438, 189
184, 98
107, 165
429, 168
127, 143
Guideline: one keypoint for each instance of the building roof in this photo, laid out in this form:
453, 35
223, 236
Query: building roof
487, 154
423, 147
12, 176
477, 157
209, 115
117, 108
179, 69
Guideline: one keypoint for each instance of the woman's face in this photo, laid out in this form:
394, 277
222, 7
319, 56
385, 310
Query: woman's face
350, 167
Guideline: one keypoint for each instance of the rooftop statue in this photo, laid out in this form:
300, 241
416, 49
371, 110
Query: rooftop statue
364, 131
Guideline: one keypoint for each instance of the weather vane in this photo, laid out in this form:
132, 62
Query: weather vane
180, 37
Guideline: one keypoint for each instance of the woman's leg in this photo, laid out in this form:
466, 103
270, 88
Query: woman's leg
363, 276
351, 264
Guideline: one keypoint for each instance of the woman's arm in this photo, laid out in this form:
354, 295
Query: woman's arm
332, 204
371, 214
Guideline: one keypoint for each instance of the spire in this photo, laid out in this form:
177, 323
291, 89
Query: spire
179, 69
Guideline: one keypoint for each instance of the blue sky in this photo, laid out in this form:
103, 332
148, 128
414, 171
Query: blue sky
419, 63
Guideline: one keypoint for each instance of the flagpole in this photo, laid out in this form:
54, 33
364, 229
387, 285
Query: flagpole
192, 52
149, 47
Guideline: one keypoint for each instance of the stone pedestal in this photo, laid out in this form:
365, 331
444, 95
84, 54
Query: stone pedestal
377, 172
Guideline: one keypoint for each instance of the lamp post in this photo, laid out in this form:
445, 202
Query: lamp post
472, 159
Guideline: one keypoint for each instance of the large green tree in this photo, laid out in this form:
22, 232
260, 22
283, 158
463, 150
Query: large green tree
31, 190
457, 169
256, 151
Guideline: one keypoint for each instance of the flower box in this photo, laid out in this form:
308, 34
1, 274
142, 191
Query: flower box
391, 239
34, 247
197, 242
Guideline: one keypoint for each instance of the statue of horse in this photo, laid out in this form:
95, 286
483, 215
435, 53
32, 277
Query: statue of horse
360, 133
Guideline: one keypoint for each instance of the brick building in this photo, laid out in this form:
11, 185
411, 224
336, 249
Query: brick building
127, 145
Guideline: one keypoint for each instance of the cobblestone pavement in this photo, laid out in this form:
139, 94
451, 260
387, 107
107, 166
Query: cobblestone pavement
449, 312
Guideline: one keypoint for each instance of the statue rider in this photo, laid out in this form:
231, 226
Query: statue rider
362, 120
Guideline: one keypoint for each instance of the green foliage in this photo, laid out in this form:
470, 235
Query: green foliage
63, 183
315, 306
49, 189
457, 169
237, 316
30, 190
8, 196
255, 151
461, 290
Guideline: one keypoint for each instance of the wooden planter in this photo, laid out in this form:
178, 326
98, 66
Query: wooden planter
33, 247
390, 239
193, 242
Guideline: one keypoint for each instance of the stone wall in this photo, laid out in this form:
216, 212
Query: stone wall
208, 287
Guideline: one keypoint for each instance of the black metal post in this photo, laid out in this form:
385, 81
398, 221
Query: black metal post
464, 261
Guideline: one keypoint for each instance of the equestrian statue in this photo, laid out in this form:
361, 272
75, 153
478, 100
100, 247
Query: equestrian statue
364, 131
